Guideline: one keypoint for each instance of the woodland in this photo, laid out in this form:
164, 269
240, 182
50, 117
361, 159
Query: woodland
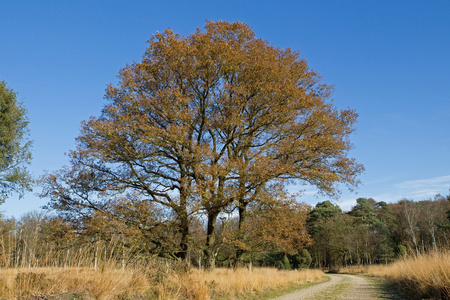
286, 237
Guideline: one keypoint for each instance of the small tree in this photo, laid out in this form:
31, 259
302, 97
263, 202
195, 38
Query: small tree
402, 251
305, 259
14, 146
285, 263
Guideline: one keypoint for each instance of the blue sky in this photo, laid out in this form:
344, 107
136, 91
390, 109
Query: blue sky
388, 60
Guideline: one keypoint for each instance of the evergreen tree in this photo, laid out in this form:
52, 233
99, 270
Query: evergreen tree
14, 147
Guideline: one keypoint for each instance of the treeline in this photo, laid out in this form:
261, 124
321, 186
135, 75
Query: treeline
283, 234
377, 232
133, 230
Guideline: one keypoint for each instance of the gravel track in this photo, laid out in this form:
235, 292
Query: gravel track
342, 286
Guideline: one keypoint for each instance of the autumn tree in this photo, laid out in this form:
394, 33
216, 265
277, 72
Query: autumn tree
96, 214
436, 214
140, 225
14, 147
445, 224
275, 227
278, 226
421, 225
205, 123
411, 214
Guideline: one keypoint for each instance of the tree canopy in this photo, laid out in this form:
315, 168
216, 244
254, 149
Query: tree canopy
207, 123
14, 147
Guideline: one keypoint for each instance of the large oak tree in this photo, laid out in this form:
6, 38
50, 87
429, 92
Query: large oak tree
205, 123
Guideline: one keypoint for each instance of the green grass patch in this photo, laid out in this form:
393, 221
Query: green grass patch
333, 291
383, 288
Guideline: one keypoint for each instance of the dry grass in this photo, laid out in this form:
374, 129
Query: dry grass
82, 282
144, 283
352, 269
427, 275
230, 283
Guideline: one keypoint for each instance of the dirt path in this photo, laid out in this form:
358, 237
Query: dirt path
343, 287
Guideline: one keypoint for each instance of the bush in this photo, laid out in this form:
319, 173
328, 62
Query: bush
401, 251
286, 265
305, 259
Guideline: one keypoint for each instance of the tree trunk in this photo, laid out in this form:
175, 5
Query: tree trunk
209, 252
184, 220
410, 212
242, 215
184, 231
433, 237
327, 259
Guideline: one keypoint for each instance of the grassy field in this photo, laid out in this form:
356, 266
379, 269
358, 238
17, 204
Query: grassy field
427, 275
145, 282
230, 283
78, 283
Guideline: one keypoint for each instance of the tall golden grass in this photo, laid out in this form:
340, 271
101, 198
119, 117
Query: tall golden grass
150, 281
426, 275
106, 270
82, 283
230, 283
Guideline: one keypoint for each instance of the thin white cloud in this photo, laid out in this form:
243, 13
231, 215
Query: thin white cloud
381, 190
419, 189
429, 183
